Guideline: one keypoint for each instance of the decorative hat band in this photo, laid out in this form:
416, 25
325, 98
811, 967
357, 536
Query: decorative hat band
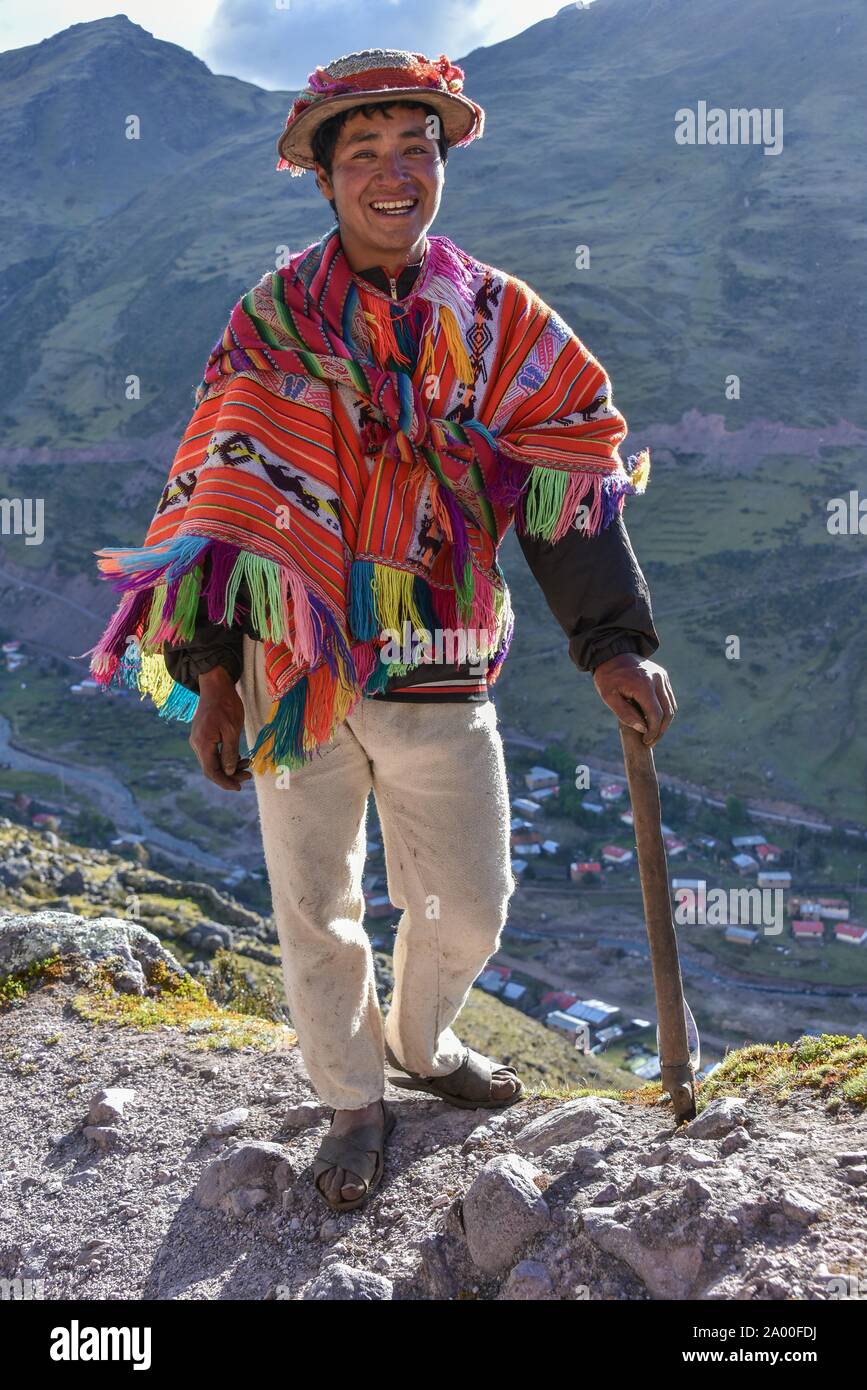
378, 74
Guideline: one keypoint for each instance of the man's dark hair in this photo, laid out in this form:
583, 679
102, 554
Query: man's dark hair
325, 137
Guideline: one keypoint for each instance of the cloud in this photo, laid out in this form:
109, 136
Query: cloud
276, 43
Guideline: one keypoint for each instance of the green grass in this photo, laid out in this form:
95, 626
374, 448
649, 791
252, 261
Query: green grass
833, 1066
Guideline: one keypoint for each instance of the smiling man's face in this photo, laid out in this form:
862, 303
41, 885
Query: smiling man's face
385, 158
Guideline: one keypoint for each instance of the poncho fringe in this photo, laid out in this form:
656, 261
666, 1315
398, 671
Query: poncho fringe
333, 655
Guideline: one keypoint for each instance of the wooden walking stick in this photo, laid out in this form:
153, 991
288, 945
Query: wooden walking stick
676, 1064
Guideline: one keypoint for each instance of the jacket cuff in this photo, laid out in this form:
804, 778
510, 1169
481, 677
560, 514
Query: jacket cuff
185, 666
636, 644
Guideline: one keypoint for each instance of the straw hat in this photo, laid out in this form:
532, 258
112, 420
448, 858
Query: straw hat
378, 74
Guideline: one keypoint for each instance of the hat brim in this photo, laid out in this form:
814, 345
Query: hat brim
458, 117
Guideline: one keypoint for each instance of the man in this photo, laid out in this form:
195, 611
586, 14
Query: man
474, 405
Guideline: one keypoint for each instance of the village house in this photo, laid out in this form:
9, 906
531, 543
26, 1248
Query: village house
541, 794
769, 854
582, 867
525, 806
743, 936
616, 856
539, 778
808, 929
830, 909
515, 993
558, 999
379, 905
744, 863
611, 791
774, 879
493, 978
595, 1012
526, 835
852, 933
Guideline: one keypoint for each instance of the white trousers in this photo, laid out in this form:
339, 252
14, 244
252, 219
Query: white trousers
438, 774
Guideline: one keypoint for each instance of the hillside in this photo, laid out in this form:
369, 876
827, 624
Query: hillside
156, 1146
122, 257
232, 948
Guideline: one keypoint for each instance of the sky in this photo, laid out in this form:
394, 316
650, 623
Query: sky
276, 43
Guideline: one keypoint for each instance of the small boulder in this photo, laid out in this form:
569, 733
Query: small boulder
107, 1106
227, 1123
596, 1115
529, 1281
502, 1210
718, 1119
341, 1283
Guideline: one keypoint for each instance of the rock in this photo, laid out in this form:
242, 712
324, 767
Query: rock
528, 1281
799, 1207
107, 1106
438, 1260
856, 1174
214, 936
92, 1252
502, 1210
852, 1158
579, 1157
73, 882
122, 946
104, 1137
476, 1139
341, 1283
738, 1139
696, 1190
669, 1271
606, 1195
227, 1123
244, 1200
306, 1113
129, 982
656, 1156
247, 1164
596, 1115
695, 1158
719, 1118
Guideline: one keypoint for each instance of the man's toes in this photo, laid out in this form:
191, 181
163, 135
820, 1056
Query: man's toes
341, 1184
504, 1086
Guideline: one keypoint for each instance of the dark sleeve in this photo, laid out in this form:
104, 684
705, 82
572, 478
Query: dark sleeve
595, 588
214, 644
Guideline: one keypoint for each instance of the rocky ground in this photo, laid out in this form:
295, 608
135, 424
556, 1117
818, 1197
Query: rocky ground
155, 1146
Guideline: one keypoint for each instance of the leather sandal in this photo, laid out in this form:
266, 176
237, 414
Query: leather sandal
353, 1152
470, 1087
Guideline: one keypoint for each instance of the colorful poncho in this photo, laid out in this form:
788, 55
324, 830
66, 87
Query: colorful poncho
360, 497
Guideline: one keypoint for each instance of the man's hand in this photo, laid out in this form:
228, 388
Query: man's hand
216, 730
639, 692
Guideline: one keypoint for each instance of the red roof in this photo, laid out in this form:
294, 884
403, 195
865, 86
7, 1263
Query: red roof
560, 999
589, 866
808, 927
849, 929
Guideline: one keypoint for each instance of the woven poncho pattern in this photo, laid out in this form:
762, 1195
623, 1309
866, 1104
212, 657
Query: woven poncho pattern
356, 492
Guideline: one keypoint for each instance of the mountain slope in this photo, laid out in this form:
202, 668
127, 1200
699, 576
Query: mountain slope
121, 259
